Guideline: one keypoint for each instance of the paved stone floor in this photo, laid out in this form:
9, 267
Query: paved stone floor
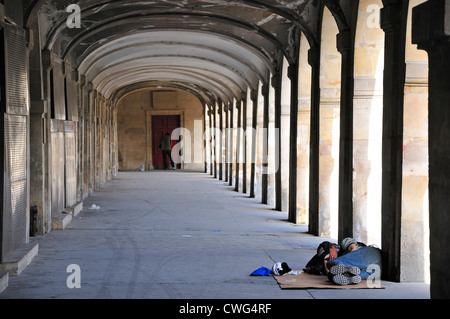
176, 235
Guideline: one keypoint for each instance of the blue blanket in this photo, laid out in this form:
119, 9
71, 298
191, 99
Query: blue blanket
368, 259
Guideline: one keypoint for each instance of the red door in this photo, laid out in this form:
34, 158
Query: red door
162, 124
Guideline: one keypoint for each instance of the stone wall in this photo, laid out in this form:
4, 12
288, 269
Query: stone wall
135, 112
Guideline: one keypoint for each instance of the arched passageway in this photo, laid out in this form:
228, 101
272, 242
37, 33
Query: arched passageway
318, 109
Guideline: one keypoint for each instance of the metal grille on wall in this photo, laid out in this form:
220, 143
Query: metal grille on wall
15, 183
15, 108
16, 66
57, 164
70, 163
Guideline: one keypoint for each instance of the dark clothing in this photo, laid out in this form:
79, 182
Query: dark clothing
165, 143
166, 146
316, 265
165, 154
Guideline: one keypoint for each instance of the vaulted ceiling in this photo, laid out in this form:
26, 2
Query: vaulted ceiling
216, 49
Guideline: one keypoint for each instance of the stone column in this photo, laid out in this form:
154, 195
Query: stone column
345, 45
47, 66
39, 178
292, 204
392, 140
227, 140
431, 31
89, 127
211, 161
244, 144
304, 117
254, 98
265, 158
238, 144
415, 236
314, 61
214, 139
231, 147
276, 84
220, 110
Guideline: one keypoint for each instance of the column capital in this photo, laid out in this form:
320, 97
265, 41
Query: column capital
265, 90
431, 24
344, 41
254, 95
314, 56
391, 16
292, 71
82, 80
276, 81
90, 87
47, 59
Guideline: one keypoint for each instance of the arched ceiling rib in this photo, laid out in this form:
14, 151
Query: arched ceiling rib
201, 93
240, 66
220, 90
219, 48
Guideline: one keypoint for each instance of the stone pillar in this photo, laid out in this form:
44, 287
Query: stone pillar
392, 140
82, 135
205, 169
276, 84
254, 98
345, 45
314, 61
415, 229
206, 135
214, 139
39, 178
238, 143
265, 151
284, 132
244, 143
292, 204
431, 31
259, 144
330, 87
227, 140
89, 133
231, 147
211, 161
304, 117
367, 122
47, 66
220, 110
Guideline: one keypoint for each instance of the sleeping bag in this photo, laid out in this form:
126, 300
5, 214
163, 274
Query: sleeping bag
316, 265
361, 258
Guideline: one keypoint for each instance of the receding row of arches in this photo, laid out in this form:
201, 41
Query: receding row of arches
327, 111
338, 148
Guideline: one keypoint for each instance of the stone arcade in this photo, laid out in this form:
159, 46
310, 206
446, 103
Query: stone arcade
357, 91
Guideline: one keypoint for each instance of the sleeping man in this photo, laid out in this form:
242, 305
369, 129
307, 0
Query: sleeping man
354, 262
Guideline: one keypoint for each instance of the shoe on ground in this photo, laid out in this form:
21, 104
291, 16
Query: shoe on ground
346, 279
344, 269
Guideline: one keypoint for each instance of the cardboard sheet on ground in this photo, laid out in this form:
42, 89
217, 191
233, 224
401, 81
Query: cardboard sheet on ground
307, 281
